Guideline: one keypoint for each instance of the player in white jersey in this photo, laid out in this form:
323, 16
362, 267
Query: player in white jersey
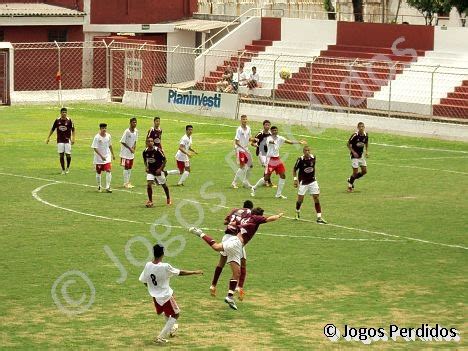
127, 151
274, 163
242, 141
183, 155
103, 156
156, 276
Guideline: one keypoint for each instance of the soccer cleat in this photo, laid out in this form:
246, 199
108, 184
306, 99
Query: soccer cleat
234, 186
99, 189
149, 204
174, 329
230, 302
320, 220
350, 185
169, 201
213, 290
280, 196
241, 293
67, 171
180, 184
108, 190
63, 172
161, 340
196, 231
252, 191
298, 215
130, 186
125, 185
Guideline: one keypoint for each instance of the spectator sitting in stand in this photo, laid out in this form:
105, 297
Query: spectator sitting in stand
239, 79
226, 79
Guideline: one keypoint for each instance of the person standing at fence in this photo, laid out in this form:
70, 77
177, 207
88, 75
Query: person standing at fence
65, 138
103, 156
356, 144
127, 151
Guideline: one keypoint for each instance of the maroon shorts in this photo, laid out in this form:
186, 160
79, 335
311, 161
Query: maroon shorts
105, 167
181, 165
128, 164
275, 165
244, 158
170, 308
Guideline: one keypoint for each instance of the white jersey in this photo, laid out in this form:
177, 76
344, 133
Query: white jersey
273, 149
130, 140
243, 136
186, 142
102, 143
157, 277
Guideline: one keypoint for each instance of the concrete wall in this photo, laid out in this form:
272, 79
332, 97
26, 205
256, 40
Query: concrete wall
53, 96
180, 66
299, 30
222, 50
324, 119
451, 39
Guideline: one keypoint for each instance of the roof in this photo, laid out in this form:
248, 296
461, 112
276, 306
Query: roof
197, 25
37, 10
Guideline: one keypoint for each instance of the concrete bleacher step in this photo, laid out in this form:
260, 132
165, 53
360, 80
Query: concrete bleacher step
305, 85
322, 98
450, 111
367, 49
353, 90
454, 102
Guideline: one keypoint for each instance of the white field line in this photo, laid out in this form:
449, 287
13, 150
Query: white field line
430, 158
305, 220
423, 168
299, 135
35, 194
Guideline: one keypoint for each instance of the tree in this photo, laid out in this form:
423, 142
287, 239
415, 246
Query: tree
430, 7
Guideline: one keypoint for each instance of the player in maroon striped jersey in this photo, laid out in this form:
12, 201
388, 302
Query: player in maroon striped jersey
233, 245
356, 144
154, 160
233, 220
65, 138
155, 132
307, 183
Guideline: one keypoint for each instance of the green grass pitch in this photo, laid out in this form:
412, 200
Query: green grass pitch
394, 251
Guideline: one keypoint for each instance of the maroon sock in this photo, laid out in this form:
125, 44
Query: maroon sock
318, 209
243, 273
232, 287
149, 190
166, 191
68, 160
298, 205
62, 162
216, 275
209, 240
359, 175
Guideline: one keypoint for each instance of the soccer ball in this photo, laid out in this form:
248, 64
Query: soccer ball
284, 73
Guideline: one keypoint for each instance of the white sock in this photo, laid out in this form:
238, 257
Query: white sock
108, 179
238, 175
280, 186
319, 215
245, 178
125, 176
260, 183
98, 180
167, 328
129, 173
183, 177
173, 171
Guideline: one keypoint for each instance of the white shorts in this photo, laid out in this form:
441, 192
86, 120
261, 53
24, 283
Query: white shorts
263, 160
357, 162
226, 237
160, 179
312, 189
233, 249
64, 148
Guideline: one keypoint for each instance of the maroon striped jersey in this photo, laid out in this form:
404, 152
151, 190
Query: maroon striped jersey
153, 158
234, 219
262, 147
358, 142
249, 227
156, 135
306, 168
64, 129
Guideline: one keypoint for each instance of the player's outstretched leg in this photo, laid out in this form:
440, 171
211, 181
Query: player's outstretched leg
210, 241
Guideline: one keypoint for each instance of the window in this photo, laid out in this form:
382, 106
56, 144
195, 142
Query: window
59, 35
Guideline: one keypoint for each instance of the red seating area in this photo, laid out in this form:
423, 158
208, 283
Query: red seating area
209, 82
332, 82
455, 104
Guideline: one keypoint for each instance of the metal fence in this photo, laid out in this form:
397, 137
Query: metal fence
381, 85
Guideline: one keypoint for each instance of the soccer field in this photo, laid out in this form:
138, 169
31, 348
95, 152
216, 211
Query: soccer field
394, 251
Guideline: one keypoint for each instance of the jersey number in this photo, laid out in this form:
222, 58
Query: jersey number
153, 279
